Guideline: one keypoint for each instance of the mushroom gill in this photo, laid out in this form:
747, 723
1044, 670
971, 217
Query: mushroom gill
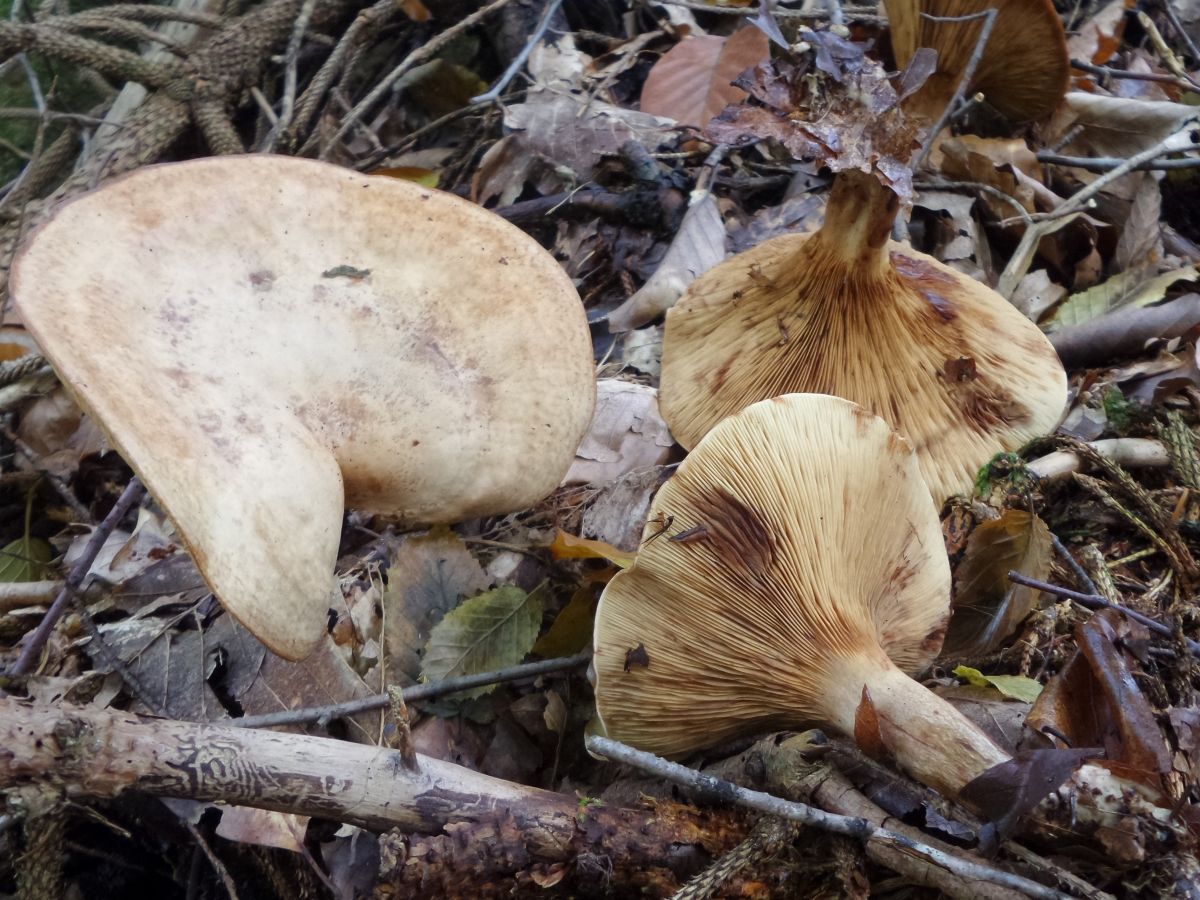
945, 360
803, 563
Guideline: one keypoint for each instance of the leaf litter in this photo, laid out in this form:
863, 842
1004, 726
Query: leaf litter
623, 115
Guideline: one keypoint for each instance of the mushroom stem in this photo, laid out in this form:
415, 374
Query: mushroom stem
858, 222
928, 737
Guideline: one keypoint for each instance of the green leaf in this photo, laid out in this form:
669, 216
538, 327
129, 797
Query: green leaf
1129, 288
1018, 687
491, 631
25, 559
987, 606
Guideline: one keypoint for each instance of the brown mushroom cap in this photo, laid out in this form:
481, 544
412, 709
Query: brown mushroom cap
847, 312
807, 553
1024, 71
268, 339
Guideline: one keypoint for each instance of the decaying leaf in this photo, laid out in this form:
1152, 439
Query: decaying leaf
575, 132
427, 577
571, 630
697, 247
1126, 289
1098, 39
836, 106
1096, 700
1036, 293
1018, 687
1116, 126
1008, 791
491, 631
987, 606
263, 827
692, 82
627, 433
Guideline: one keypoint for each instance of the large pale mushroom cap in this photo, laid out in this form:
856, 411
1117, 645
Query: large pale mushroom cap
945, 360
1024, 70
269, 339
814, 550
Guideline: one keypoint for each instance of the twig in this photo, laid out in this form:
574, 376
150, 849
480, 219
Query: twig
1169, 8
1109, 72
989, 17
854, 13
412, 694
808, 815
213, 859
27, 593
56, 481
375, 16
1095, 601
1085, 580
514, 67
1106, 163
33, 647
1169, 58
422, 53
939, 184
288, 103
1023, 255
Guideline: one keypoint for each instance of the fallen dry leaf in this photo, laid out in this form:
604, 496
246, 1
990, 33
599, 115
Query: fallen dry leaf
1125, 331
697, 247
627, 433
987, 606
692, 82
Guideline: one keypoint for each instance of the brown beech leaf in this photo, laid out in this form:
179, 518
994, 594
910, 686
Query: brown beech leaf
1007, 791
694, 79
1095, 700
987, 606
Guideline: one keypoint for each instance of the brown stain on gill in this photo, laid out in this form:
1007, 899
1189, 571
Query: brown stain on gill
932, 284
737, 533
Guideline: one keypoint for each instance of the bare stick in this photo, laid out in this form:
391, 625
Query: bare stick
1081, 575
426, 51
1175, 142
1105, 163
288, 104
33, 647
964, 82
808, 815
27, 593
1096, 601
1169, 8
515, 66
413, 694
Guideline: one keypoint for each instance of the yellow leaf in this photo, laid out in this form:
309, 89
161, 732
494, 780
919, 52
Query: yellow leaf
425, 177
568, 546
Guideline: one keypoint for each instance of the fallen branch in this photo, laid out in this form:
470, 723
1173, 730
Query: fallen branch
494, 828
1130, 453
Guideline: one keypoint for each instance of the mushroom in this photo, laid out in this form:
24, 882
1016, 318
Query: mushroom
1023, 72
944, 359
801, 569
791, 572
267, 340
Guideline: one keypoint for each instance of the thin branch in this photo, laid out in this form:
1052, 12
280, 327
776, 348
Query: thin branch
1175, 142
32, 650
1095, 601
291, 57
989, 17
808, 815
1077, 570
1169, 8
1109, 72
412, 694
1107, 163
854, 13
426, 51
515, 66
